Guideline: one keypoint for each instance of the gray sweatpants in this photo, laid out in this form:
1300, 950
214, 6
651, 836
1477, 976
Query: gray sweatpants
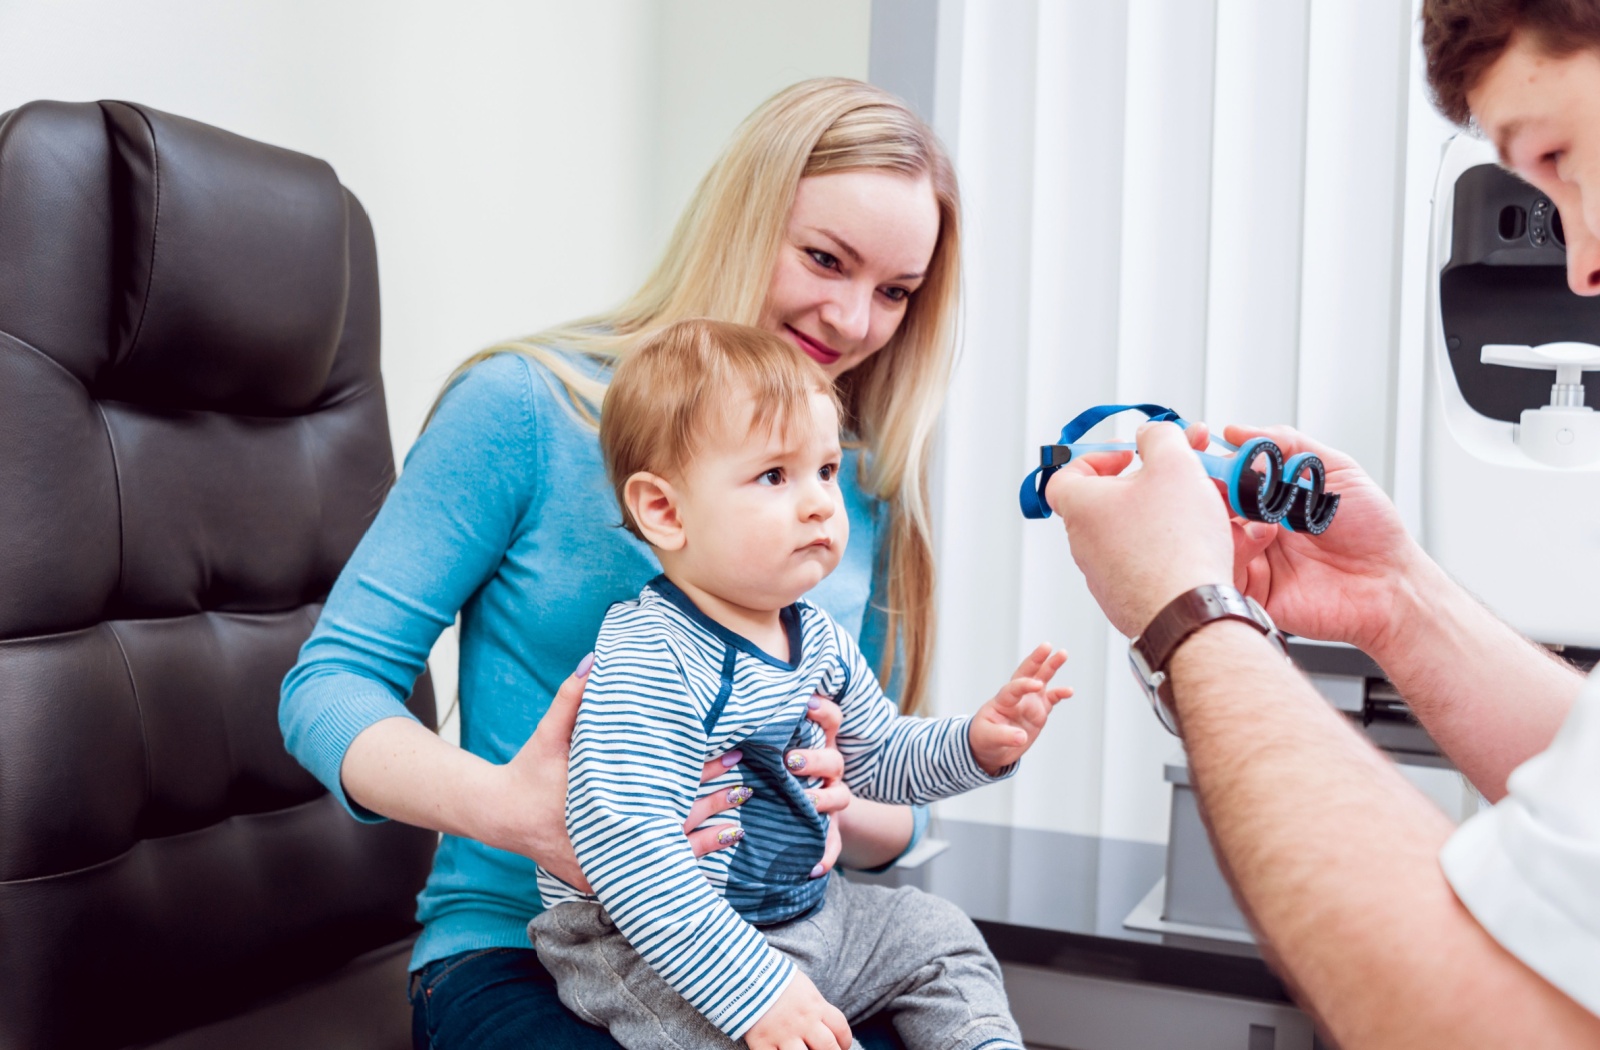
869, 948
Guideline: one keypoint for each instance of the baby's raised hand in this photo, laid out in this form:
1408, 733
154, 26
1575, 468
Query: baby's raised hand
1007, 726
799, 1017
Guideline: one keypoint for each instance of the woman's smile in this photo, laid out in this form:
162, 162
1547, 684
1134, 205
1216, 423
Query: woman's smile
858, 245
819, 351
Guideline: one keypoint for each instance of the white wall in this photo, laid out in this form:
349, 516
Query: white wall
719, 59
522, 160
499, 147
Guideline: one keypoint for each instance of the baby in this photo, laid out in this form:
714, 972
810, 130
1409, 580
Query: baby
723, 445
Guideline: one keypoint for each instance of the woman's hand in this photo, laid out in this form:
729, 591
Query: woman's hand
534, 796
864, 834
831, 796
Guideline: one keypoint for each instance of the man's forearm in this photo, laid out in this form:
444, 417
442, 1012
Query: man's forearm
1336, 858
1488, 696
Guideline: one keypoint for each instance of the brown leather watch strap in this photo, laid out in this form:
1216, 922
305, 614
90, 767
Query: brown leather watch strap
1189, 612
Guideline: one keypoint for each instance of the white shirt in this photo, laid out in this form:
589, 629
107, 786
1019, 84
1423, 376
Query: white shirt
1529, 868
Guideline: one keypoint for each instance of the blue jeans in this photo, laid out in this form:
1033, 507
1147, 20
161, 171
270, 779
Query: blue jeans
504, 999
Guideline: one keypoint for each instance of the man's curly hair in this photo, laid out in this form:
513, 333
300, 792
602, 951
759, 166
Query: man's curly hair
1463, 38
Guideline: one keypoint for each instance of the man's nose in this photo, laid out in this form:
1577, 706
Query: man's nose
850, 312
1583, 255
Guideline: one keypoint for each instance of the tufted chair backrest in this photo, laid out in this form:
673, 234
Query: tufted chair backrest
192, 440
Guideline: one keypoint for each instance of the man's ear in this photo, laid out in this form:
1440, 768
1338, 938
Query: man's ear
653, 504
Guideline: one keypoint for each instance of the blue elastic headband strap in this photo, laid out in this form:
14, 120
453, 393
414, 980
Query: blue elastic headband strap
1032, 495
1280, 495
1087, 420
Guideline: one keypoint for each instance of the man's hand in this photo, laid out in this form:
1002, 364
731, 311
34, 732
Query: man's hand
800, 1019
1144, 538
1006, 726
1340, 586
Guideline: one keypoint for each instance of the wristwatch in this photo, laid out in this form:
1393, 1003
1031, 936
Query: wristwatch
1184, 615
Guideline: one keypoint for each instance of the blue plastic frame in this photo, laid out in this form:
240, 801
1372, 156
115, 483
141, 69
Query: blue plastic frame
1288, 493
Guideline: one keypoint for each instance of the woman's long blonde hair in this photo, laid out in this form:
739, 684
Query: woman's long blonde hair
719, 263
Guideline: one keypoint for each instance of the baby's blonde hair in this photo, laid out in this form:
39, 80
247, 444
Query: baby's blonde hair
664, 397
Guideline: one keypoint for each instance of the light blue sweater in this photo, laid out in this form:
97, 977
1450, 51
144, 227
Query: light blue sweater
503, 514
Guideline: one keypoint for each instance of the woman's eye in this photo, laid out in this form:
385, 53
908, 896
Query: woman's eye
823, 259
896, 294
773, 476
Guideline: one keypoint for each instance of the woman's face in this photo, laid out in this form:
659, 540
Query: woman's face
857, 247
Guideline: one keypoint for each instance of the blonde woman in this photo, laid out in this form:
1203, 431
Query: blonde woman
832, 220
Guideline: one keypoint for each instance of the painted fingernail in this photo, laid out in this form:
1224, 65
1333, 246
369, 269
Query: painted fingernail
729, 835
816, 871
737, 795
584, 666
796, 761
732, 758
814, 703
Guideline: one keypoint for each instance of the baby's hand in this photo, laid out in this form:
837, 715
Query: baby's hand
1007, 726
799, 1017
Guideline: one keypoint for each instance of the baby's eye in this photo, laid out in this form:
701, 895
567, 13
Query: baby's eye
772, 477
829, 472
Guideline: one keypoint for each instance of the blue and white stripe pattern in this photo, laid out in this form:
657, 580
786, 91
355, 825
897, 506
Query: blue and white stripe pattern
672, 689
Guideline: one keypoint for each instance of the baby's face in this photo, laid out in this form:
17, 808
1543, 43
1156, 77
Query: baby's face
763, 518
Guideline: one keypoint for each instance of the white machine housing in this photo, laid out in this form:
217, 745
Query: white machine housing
1519, 530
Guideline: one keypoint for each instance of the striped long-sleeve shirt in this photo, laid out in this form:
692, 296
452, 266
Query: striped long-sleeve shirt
672, 689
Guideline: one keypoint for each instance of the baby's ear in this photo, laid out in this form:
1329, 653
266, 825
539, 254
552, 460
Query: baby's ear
652, 502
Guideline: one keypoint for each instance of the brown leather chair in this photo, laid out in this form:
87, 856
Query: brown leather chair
192, 440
